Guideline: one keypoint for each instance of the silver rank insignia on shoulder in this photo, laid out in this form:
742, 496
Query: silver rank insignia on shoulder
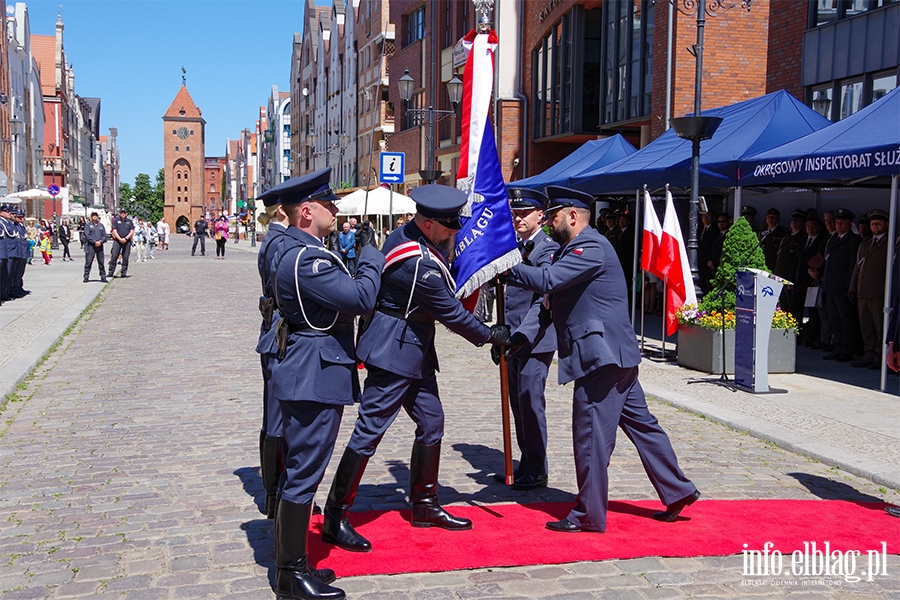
428, 274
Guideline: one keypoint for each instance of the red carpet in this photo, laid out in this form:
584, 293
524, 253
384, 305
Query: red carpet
514, 534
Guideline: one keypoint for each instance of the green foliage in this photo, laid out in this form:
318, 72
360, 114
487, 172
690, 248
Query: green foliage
739, 241
144, 199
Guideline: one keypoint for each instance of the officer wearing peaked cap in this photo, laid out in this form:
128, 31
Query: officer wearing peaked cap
398, 351
840, 258
271, 440
6, 233
598, 351
529, 365
314, 374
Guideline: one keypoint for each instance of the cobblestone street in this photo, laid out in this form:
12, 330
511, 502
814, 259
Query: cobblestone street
129, 463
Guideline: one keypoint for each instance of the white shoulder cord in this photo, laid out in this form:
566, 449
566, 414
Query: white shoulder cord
300, 301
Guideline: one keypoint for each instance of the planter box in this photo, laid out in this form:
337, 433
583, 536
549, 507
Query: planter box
701, 349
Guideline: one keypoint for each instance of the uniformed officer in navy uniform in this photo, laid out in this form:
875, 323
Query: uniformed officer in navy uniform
271, 439
528, 366
122, 230
7, 234
398, 351
314, 375
598, 351
94, 236
20, 261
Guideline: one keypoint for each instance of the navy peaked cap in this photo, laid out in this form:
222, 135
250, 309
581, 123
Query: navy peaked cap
798, 215
878, 214
526, 198
312, 186
440, 203
748, 210
561, 197
843, 213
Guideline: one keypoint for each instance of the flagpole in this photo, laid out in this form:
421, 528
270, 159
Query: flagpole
504, 388
635, 259
643, 291
664, 312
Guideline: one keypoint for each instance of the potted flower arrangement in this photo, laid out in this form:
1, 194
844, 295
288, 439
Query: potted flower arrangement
700, 326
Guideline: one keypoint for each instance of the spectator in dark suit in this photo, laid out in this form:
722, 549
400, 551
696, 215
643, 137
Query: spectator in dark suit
707, 233
624, 246
715, 251
807, 277
786, 261
840, 257
771, 235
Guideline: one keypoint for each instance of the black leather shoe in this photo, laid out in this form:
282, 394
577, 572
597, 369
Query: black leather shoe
563, 525
341, 534
673, 510
894, 511
429, 515
530, 481
501, 477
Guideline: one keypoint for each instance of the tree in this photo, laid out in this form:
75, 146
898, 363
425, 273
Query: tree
125, 196
736, 252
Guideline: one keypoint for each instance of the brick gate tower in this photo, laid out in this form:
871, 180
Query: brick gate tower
184, 140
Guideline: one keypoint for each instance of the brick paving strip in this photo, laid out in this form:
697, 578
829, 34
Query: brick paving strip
128, 464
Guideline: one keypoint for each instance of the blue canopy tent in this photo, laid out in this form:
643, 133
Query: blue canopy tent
748, 128
863, 149
592, 155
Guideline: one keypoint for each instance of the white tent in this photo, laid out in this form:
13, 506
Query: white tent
33, 194
380, 202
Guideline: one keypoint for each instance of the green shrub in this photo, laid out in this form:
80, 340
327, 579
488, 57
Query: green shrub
739, 241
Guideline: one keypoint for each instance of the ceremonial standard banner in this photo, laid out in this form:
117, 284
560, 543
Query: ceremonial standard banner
486, 245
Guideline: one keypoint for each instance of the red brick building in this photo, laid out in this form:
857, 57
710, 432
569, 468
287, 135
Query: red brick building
183, 146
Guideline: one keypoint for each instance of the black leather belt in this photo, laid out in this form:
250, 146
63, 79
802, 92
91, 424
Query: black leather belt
336, 329
398, 314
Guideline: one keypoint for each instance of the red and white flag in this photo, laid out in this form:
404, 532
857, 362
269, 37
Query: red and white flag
673, 262
652, 238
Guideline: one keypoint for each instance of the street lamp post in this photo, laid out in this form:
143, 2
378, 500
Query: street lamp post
698, 128
454, 93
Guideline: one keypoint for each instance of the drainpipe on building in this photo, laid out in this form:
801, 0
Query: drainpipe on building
520, 95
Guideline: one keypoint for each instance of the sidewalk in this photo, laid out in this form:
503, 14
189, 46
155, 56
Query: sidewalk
843, 425
30, 326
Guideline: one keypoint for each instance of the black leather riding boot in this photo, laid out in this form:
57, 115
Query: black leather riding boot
337, 529
262, 464
423, 474
294, 578
272, 467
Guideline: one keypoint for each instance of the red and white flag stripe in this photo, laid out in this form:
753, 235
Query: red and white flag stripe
652, 238
677, 268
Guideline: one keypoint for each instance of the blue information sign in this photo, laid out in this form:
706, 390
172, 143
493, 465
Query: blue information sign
392, 168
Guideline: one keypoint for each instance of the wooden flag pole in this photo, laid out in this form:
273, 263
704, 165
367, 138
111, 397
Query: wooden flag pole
665, 313
504, 387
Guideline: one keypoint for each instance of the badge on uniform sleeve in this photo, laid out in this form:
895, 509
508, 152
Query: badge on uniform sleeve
319, 261
578, 251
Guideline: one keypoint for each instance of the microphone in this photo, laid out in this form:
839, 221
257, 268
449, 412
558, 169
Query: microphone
529, 246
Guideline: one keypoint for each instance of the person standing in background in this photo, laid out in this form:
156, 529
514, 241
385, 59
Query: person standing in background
220, 233
122, 234
94, 238
65, 236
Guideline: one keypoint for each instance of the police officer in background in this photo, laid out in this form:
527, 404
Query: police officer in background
8, 233
271, 440
598, 350
201, 231
398, 351
314, 375
94, 236
528, 366
122, 230
22, 252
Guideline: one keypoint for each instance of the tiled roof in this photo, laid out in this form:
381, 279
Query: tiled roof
43, 47
183, 102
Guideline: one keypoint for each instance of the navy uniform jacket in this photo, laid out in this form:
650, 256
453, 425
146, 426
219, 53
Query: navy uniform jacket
270, 251
771, 242
7, 235
406, 347
840, 258
94, 233
319, 366
588, 305
22, 242
523, 307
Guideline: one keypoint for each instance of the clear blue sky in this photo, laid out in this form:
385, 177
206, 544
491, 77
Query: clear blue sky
129, 53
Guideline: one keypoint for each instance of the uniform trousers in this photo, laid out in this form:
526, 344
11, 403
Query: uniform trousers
871, 326
272, 421
91, 251
605, 399
310, 430
17, 282
114, 251
843, 317
4, 279
383, 396
826, 332
527, 380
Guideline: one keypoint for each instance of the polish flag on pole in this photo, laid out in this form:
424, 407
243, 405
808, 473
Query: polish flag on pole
652, 238
673, 256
